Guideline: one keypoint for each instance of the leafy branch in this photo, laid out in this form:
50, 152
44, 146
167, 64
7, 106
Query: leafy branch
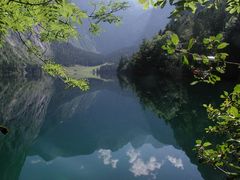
225, 155
204, 67
51, 20
31, 4
105, 13
232, 6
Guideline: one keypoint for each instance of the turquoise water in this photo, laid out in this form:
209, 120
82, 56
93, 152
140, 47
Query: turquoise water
106, 133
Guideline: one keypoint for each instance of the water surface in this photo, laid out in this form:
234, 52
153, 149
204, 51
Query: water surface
109, 132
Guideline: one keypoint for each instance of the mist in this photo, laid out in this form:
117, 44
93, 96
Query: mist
137, 24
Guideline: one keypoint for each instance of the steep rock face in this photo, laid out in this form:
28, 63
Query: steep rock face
19, 53
23, 106
15, 57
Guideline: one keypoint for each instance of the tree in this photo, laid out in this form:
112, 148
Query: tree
52, 20
215, 60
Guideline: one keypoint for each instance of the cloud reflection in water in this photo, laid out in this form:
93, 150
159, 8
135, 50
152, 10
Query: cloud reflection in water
141, 168
106, 156
176, 162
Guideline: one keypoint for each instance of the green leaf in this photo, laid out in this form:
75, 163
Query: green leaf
225, 93
165, 47
223, 56
237, 88
175, 39
233, 111
94, 28
219, 164
220, 69
192, 6
191, 43
233, 10
205, 59
198, 141
222, 45
206, 144
219, 36
185, 60
206, 41
160, 3
170, 51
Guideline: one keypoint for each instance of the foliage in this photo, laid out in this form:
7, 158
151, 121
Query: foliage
205, 65
224, 155
192, 30
51, 20
105, 13
57, 70
233, 6
150, 59
212, 60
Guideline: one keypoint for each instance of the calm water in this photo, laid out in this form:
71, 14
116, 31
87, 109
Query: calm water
109, 132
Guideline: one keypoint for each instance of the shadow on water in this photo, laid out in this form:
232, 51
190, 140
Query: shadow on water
139, 129
181, 106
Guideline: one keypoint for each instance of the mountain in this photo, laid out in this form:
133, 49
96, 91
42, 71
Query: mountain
84, 42
67, 54
115, 56
137, 24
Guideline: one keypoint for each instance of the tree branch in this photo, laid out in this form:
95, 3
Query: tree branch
31, 4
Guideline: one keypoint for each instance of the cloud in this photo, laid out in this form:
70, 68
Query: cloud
106, 156
176, 162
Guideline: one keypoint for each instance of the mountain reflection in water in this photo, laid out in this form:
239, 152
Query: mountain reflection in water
105, 133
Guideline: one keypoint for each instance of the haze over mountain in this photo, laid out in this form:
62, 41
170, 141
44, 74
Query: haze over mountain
137, 24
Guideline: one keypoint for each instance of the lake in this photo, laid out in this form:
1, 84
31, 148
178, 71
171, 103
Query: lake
113, 131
